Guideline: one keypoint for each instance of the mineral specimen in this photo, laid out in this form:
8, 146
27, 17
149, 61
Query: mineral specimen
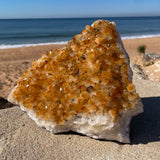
85, 87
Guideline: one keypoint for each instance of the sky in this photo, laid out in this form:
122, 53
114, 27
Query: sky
77, 8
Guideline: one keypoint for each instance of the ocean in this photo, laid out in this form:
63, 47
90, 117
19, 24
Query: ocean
31, 32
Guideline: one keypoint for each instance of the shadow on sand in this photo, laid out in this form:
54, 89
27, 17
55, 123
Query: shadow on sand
5, 104
145, 127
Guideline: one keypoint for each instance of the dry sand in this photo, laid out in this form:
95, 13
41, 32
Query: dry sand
21, 138
131, 45
14, 61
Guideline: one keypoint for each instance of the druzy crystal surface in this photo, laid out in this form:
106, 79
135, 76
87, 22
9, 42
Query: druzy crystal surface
85, 87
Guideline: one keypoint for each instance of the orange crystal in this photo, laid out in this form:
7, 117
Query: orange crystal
90, 75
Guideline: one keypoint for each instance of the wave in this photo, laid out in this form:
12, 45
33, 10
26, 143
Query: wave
6, 46
141, 36
36, 36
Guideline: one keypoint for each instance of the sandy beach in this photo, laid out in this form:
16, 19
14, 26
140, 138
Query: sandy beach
14, 61
152, 45
20, 138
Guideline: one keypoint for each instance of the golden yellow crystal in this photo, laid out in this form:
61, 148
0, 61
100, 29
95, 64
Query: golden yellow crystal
90, 75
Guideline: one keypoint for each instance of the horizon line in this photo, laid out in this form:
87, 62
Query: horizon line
84, 17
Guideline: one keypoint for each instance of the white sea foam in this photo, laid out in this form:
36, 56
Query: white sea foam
142, 36
5, 46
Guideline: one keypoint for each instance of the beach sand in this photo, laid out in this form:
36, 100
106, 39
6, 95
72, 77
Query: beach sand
152, 45
21, 138
14, 61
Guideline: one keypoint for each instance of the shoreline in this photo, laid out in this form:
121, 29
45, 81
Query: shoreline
35, 51
14, 61
8, 46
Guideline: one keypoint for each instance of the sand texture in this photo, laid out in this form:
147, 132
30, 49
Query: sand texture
21, 138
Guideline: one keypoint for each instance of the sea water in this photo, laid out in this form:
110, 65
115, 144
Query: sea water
31, 32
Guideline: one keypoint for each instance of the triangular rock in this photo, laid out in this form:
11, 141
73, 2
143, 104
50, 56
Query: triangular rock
85, 87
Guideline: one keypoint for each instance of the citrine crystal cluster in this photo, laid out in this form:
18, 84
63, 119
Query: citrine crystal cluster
85, 87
